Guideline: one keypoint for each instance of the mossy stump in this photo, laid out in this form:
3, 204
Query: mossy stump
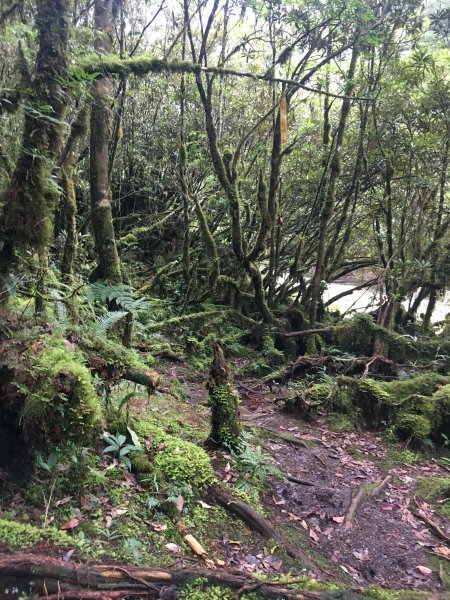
225, 426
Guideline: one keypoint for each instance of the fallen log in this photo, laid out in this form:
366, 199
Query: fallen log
57, 579
146, 377
66, 579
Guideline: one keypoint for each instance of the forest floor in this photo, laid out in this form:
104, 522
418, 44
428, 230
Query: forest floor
388, 542
385, 544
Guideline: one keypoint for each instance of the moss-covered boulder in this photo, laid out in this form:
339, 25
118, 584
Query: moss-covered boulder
170, 459
417, 408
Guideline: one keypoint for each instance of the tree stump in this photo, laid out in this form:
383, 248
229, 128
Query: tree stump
225, 426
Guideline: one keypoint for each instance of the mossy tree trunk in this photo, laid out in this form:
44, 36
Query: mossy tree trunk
31, 196
225, 425
69, 208
108, 262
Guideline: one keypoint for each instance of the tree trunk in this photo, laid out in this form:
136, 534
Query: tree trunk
108, 265
31, 197
225, 426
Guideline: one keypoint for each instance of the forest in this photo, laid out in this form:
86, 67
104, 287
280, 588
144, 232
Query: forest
224, 299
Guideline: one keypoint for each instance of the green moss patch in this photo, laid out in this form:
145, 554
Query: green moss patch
172, 459
21, 536
61, 403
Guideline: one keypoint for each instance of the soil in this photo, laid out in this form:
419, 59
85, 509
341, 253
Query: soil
385, 543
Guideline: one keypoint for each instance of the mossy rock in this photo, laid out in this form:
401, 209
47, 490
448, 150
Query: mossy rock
62, 403
418, 408
172, 459
22, 536
416, 427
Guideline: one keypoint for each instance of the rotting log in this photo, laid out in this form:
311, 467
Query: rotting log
66, 578
146, 377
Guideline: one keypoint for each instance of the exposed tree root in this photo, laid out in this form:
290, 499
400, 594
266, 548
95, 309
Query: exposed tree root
259, 524
360, 497
356, 502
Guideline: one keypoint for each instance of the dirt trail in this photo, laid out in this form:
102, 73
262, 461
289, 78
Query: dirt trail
385, 543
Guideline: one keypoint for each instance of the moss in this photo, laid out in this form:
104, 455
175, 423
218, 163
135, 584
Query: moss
21, 536
418, 407
62, 403
437, 491
226, 429
172, 459
424, 385
141, 464
184, 463
371, 403
417, 427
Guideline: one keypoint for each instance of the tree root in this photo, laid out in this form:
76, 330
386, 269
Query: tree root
259, 524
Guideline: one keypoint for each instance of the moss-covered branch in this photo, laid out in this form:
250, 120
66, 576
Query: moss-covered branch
146, 63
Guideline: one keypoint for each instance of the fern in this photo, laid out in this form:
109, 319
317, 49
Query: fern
105, 322
62, 318
123, 296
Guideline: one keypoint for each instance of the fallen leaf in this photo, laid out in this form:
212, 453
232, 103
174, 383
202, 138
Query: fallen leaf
118, 512
220, 563
278, 502
313, 535
70, 524
338, 519
443, 551
424, 570
63, 501
159, 526
68, 555
174, 548
180, 503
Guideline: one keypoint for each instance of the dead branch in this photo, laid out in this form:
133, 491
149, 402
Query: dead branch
258, 523
376, 490
432, 525
69, 580
356, 502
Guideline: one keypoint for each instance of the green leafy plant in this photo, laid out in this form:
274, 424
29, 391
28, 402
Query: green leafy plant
118, 446
254, 462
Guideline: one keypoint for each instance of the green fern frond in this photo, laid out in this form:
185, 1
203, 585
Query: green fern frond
105, 322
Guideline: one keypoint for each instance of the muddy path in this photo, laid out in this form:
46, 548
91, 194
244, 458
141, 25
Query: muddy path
385, 543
